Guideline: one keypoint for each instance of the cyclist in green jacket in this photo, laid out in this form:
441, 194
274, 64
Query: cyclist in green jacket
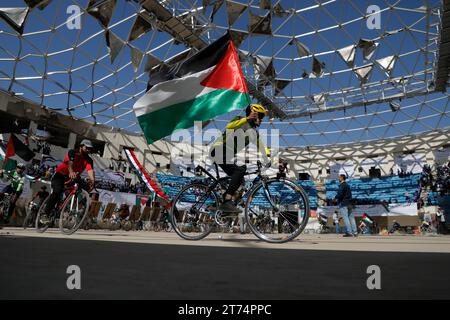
15, 188
224, 153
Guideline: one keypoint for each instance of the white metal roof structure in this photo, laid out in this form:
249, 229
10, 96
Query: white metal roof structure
331, 71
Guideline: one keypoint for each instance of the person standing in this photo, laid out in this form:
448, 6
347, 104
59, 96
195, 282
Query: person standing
344, 200
336, 222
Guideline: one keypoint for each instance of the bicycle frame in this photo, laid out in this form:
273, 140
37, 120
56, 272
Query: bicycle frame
218, 181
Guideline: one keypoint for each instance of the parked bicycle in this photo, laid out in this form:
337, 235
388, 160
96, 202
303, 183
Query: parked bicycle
4, 205
31, 210
71, 210
276, 210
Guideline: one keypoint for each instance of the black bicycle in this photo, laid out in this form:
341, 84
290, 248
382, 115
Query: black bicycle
31, 210
276, 210
4, 205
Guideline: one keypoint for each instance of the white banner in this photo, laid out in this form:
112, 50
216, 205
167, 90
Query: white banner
119, 198
376, 210
442, 156
378, 163
411, 162
337, 168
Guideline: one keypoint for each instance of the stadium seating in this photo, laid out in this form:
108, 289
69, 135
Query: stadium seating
379, 190
172, 185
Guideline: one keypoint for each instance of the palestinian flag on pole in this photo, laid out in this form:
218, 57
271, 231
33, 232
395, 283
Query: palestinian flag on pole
16, 151
367, 219
206, 85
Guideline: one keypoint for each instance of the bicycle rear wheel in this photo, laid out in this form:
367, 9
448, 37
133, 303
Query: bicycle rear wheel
74, 211
282, 218
193, 211
42, 227
4, 206
29, 219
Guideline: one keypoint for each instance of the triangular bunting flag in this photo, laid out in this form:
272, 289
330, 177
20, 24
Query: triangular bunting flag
152, 62
41, 4
140, 27
114, 44
136, 57
234, 11
238, 37
387, 64
348, 55
260, 25
317, 68
15, 17
363, 73
303, 51
101, 10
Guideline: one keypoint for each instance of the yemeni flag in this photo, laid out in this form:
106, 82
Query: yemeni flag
16, 150
206, 85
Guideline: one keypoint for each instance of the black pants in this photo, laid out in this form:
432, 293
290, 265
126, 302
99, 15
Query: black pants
236, 173
58, 181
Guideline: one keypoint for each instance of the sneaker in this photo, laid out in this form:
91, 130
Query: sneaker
44, 219
355, 235
347, 235
229, 207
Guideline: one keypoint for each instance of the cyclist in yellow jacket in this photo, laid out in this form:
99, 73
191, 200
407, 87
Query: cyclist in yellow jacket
242, 129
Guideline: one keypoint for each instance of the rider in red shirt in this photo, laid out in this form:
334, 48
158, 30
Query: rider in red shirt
73, 165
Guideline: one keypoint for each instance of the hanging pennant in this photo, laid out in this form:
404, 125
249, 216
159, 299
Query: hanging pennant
140, 27
363, 73
101, 10
265, 4
234, 11
41, 4
317, 68
303, 51
264, 67
238, 37
348, 55
15, 17
217, 5
279, 11
387, 64
136, 57
279, 86
260, 25
114, 44
369, 47
152, 62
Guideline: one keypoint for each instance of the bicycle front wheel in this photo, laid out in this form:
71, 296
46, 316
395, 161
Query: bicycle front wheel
193, 211
29, 218
41, 226
277, 211
74, 211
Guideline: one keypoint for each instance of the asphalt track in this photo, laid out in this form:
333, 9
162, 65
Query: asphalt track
34, 267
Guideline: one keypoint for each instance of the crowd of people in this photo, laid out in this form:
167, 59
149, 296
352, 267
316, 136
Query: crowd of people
441, 182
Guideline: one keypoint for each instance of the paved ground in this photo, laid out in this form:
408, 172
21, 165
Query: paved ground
147, 265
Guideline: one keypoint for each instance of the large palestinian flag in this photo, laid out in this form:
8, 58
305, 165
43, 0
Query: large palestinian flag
206, 85
16, 151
